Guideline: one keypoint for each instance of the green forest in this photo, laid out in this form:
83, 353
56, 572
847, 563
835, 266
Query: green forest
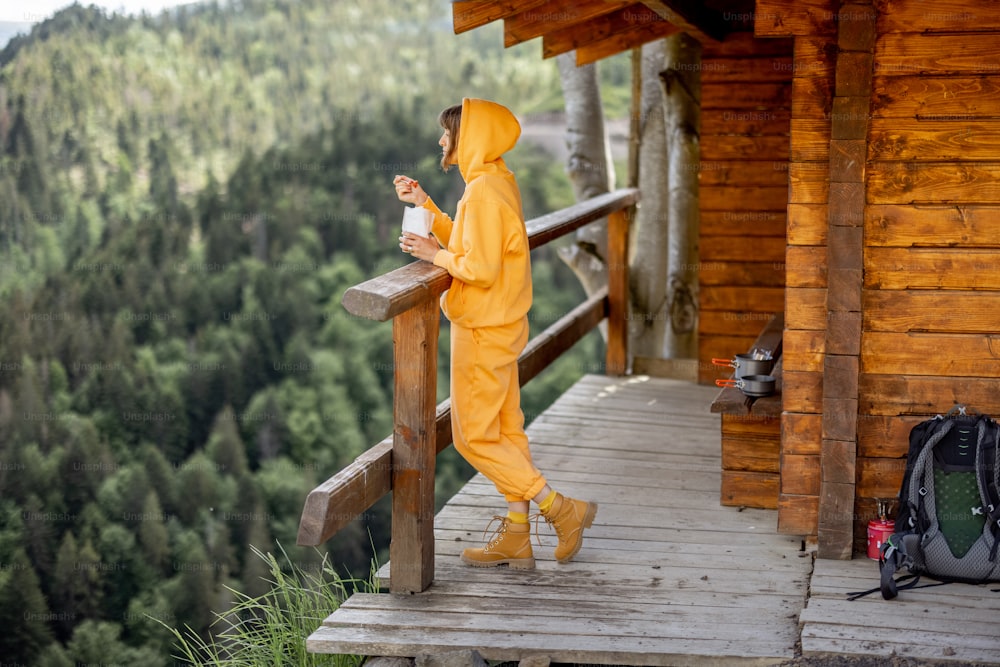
184, 199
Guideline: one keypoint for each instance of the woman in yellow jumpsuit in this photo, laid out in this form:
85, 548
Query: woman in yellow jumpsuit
486, 252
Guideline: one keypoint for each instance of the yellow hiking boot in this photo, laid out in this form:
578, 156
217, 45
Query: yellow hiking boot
510, 545
569, 517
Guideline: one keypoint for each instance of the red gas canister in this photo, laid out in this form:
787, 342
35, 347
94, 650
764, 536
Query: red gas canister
879, 530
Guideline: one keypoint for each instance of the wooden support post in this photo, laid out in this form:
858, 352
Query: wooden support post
845, 263
411, 551
616, 357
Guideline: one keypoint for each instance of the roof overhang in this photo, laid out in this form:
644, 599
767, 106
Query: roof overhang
596, 29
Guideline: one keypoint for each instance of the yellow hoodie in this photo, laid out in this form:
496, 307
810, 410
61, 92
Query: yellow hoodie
487, 243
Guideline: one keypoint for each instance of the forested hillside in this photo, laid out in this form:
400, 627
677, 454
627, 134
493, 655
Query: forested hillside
183, 201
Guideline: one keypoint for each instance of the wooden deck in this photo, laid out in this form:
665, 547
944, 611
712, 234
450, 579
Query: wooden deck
666, 575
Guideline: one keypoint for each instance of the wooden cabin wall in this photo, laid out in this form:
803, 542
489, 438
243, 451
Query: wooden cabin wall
743, 188
931, 296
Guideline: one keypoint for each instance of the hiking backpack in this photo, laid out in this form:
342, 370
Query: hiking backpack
948, 522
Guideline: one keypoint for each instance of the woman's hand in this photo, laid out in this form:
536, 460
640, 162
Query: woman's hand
409, 190
418, 246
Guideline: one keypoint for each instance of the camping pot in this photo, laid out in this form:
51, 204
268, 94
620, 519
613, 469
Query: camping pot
879, 530
751, 385
746, 364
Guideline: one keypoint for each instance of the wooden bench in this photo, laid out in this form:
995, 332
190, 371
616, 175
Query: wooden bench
751, 434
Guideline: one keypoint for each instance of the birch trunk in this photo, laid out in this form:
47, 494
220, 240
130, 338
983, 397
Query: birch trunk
681, 81
588, 165
650, 233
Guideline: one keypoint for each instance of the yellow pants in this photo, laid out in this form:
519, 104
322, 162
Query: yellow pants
487, 424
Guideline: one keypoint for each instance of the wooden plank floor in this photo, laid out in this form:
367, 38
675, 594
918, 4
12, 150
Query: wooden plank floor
954, 623
666, 576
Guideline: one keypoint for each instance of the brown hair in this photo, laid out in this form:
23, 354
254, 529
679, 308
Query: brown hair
450, 119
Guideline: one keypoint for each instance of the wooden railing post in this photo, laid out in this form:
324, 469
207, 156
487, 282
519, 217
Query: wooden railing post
616, 356
411, 551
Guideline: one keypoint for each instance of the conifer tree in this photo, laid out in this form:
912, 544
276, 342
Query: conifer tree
255, 570
153, 535
162, 181
225, 447
161, 476
193, 588
24, 612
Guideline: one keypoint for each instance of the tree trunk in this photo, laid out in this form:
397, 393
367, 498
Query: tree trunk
649, 238
588, 166
682, 86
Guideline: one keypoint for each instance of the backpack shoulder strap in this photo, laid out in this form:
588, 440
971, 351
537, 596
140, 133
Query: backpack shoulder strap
891, 560
921, 478
988, 477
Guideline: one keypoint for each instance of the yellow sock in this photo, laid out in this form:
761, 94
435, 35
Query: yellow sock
546, 504
517, 517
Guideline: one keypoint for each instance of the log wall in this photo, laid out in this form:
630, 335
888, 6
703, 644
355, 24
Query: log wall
931, 293
743, 179
909, 199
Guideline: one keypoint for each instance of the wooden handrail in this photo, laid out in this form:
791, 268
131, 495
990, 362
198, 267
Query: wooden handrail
404, 462
385, 296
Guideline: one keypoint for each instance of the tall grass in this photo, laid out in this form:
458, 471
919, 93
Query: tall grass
270, 630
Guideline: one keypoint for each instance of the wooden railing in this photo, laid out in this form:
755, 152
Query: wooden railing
404, 462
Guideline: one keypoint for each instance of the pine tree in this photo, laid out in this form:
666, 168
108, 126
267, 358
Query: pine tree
153, 535
225, 448
125, 570
89, 586
162, 181
256, 570
28, 159
197, 487
65, 589
161, 477
86, 462
193, 590
24, 613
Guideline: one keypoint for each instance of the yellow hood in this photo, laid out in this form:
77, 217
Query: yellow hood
486, 245
488, 130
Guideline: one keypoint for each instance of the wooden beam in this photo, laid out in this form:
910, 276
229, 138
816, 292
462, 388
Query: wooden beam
469, 14
547, 346
784, 18
625, 20
963, 226
385, 296
692, 17
339, 500
957, 16
797, 515
551, 226
555, 15
845, 259
892, 395
618, 294
623, 41
933, 182
836, 515
635, 119
411, 550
